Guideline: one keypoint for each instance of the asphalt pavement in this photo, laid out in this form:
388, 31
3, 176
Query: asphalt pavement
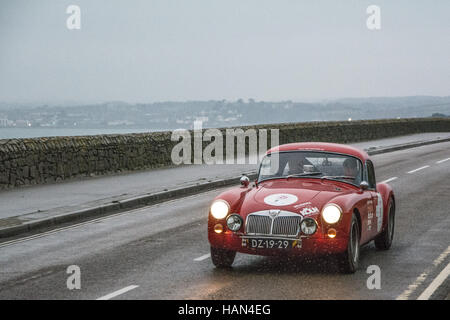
162, 252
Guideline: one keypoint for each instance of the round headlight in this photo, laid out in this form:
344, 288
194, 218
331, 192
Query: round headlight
331, 213
308, 226
219, 209
234, 222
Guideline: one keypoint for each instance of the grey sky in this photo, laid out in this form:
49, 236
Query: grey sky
155, 50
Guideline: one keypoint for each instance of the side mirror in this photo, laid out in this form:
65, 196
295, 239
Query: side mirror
245, 181
364, 185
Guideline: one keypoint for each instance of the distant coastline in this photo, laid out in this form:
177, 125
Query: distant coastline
17, 133
25, 121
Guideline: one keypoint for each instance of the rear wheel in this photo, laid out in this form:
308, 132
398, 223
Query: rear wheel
384, 240
349, 260
222, 258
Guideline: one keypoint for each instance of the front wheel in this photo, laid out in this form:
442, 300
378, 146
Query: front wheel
349, 260
384, 240
222, 258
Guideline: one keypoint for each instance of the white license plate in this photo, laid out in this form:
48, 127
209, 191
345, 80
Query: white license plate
255, 243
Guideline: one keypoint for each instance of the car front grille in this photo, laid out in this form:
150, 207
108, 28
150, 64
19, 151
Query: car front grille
257, 224
284, 224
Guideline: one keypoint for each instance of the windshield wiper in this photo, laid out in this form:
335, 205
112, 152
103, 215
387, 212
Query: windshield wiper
271, 178
303, 174
338, 177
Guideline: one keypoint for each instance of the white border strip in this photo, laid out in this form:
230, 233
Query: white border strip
444, 160
203, 257
389, 180
418, 169
435, 284
117, 293
420, 279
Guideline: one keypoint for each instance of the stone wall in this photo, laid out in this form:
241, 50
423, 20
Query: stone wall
46, 160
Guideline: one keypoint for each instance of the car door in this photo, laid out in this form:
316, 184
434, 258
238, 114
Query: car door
375, 215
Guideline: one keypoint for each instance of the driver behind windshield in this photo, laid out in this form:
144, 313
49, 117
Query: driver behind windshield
351, 169
295, 164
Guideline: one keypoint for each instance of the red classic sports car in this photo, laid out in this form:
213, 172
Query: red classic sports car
308, 199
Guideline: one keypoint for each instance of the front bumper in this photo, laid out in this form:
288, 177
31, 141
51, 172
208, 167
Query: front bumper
314, 245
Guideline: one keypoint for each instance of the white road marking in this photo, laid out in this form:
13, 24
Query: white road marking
389, 180
435, 284
117, 293
418, 169
203, 257
440, 161
420, 279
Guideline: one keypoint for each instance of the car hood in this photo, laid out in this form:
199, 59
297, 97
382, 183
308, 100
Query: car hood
292, 195
281, 197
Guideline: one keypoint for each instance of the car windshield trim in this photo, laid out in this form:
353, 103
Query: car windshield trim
304, 174
337, 177
309, 175
330, 178
312, 177
299, 175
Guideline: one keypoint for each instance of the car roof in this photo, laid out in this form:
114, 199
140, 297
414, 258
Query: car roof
322, 146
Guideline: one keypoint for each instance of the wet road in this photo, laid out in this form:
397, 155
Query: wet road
161, 251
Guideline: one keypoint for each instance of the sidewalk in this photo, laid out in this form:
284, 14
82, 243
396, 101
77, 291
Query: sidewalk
43, 201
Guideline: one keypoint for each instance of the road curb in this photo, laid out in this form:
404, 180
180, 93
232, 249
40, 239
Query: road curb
398, 147
153, 198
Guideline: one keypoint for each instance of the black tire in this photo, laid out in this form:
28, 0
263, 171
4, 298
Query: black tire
349, 260
384, 240
222, 258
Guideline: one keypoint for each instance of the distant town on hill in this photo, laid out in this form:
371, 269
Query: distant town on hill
216, 113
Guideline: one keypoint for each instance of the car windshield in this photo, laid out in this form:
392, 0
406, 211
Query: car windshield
317, 164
